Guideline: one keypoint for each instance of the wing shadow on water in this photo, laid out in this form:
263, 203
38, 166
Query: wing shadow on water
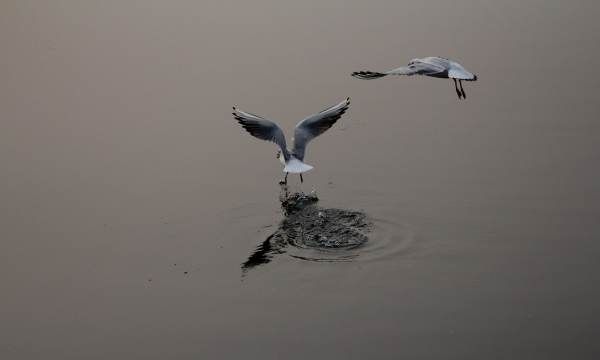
310, 232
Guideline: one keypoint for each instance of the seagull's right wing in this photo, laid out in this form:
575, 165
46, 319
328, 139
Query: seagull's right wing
418, 68
415, 67
315, 125
262, 128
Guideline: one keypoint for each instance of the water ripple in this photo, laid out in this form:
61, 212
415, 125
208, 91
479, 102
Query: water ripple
318, 234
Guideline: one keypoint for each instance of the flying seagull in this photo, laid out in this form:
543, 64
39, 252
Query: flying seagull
430, 66
306, 130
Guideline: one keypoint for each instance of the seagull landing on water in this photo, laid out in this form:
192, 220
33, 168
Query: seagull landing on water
430, 66
306, 130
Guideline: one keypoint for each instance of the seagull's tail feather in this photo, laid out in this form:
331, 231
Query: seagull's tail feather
296, 166
368, 75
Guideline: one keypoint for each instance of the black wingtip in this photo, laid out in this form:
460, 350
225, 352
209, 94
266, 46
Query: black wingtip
367, 75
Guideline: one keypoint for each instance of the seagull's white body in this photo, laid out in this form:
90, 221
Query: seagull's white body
305, 131
295, 166
433, 66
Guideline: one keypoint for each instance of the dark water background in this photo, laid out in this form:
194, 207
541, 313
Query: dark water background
122, 169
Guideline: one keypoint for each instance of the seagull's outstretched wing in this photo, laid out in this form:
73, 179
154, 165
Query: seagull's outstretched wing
415, 67
262, 128
315, 125
418, 68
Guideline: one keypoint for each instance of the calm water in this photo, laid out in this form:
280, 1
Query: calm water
130, 197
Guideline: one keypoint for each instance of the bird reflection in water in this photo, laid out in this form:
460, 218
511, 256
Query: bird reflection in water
265, 251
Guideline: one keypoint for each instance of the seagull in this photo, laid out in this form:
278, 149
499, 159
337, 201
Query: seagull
430, 66
306, 130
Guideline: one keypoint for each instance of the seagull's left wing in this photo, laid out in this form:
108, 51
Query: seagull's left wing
262, 128
315, 125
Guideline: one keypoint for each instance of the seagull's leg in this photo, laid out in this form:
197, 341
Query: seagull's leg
301, 180
284, 181
456, 88
462, 90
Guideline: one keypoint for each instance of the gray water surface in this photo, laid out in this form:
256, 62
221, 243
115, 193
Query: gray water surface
131, 198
